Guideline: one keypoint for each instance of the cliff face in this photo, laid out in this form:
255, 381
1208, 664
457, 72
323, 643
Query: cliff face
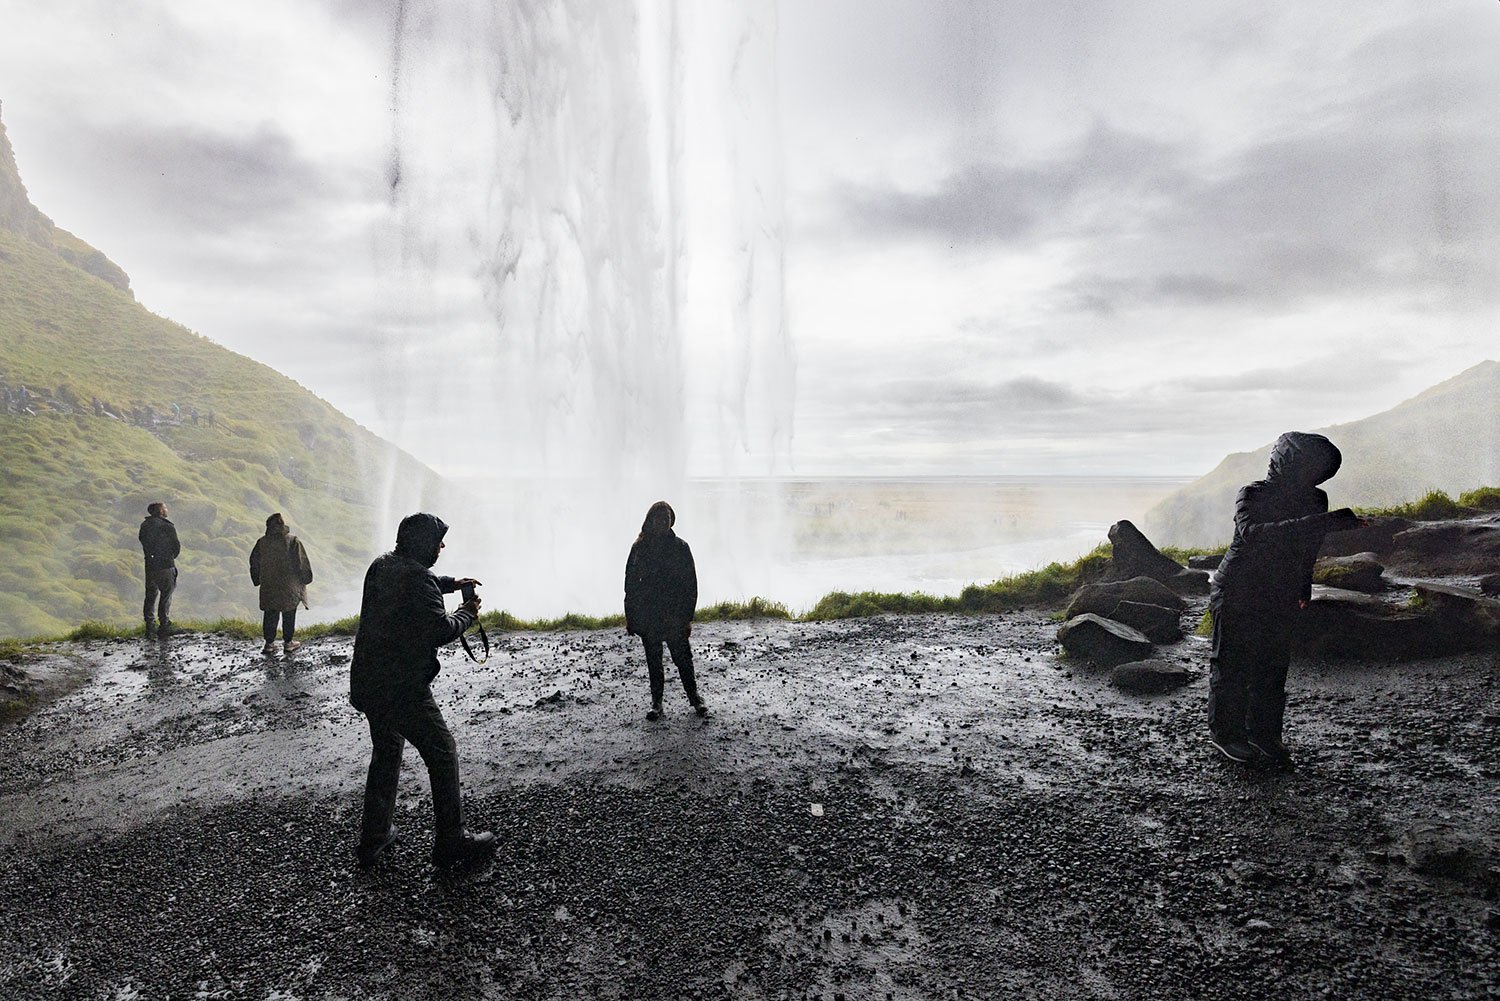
1445, 438
19, 216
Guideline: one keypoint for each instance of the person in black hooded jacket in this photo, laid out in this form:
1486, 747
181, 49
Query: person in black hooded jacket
1279, 525
402, 622
661, 594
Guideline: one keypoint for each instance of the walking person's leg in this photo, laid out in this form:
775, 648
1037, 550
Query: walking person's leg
268, 630
423, 725
288, 630
682, 656
652, 643
1266, 702
148, 610
1233, 648
376, 832
167, 584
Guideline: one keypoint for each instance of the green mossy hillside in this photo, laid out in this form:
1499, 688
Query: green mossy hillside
77, 477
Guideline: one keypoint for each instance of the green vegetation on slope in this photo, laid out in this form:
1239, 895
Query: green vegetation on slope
1436, 505
75, 484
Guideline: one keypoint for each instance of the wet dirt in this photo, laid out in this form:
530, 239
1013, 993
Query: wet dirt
899, 807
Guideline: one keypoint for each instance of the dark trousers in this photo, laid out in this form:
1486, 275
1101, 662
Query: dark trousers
288, 625
682, 656
160, 583
1247, 671
421, 723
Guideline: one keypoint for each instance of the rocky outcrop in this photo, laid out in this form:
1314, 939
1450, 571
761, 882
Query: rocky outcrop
1150, 677
1360, 572
1465, 611
1103, 641
1101, 599
1158, 624
1354, 625
1447, 548
1133, 555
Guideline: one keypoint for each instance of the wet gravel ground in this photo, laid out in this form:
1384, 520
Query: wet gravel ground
923, 807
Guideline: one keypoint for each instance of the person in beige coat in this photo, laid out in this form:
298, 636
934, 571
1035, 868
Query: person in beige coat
280, 568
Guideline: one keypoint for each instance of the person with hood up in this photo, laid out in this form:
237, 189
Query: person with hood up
661, 594
1264, 579
280, 568
402, 622
158, 538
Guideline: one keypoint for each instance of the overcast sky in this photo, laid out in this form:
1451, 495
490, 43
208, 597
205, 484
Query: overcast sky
1050, 237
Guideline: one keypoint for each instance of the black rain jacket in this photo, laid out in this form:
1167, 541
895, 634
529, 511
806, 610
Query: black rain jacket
402, 620
661, 585
1279, 525
159, 542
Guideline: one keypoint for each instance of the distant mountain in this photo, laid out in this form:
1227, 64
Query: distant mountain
121, 408
1446, 438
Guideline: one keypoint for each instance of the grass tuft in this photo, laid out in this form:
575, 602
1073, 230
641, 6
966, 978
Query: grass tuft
1435, 505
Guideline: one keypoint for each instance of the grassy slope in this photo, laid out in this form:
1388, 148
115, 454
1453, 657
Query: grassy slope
1445, 438
75, 486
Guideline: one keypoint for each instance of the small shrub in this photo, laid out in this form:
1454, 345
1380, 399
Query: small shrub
1205, 625
1481, 499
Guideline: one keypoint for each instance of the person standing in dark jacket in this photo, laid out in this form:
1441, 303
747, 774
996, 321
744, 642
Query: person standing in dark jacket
1263, 581
158, 538
402, 622
280, 568
661, 594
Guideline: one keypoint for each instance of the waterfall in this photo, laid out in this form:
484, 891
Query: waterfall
588, 224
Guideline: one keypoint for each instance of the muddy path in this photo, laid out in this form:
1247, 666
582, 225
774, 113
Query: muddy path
921, 807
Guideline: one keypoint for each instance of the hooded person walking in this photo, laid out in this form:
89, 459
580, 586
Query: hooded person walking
661, 594
1264, 580
402, 622
280, 568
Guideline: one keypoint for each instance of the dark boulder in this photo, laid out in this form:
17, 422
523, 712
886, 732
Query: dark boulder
1101, 599
1101, 640
1360, 572
1489, 585
1376, 536
1474, 617
1149, 677
1450, 850
1205, 561
1351, 624
1448, 548
1133, 555
1159, 624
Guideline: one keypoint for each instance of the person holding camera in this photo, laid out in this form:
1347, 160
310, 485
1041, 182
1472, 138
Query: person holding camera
1262, 583
402, 622
661, 595
280, 568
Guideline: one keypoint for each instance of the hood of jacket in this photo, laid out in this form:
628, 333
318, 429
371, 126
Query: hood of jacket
418, 537
1300, 457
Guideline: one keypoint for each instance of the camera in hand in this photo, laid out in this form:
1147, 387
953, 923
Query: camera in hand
469, 591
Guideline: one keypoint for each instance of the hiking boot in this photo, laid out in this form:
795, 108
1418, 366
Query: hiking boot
369, 854
166, 629
1234, 748
288, 647
1274, 751
654, 713
268, 649
151, 630
700, 707
465, 849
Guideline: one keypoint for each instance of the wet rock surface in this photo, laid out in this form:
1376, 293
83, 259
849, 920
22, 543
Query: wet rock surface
913, 807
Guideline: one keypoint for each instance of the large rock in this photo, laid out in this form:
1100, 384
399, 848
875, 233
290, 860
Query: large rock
1444, 848
1448, 548
1101, 599
1133, 555
1351, 624
1205, 561
1471, 614
1360, 572
1376, 536
1158, 624
1148, 677
1101, 640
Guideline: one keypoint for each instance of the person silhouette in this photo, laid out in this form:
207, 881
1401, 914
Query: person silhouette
661, 594
1263, 581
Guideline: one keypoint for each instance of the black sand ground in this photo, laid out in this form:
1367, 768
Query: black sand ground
926, 807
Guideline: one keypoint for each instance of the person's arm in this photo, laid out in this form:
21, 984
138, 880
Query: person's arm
447, 585
632, 587
255, 564
432, 615
176, 546
1286, 531
690, 582
303, 563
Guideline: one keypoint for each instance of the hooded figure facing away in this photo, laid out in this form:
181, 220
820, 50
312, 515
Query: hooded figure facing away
1266, 576
280, 568
402, 622
158, 538
661, 594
